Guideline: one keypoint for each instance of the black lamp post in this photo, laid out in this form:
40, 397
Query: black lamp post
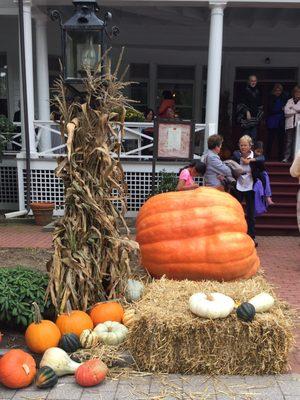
84, 40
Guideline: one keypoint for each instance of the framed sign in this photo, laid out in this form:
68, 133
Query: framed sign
173, 140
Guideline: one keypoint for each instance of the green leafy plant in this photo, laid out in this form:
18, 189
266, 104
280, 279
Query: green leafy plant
5, 127
167, 182
19, 288
133, 115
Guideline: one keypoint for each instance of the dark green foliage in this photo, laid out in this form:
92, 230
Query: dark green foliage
46, 378
167, 182
69, 342
5, 127
133, 115
245, 312
19, 288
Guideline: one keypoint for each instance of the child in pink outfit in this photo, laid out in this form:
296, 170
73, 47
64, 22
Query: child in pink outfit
186, 175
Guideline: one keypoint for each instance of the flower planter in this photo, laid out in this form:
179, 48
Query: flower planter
42, 213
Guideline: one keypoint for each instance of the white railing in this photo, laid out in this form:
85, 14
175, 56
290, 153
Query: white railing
137, 143
13, 140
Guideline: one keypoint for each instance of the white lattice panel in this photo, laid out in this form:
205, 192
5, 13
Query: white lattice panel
45, 187
8, 187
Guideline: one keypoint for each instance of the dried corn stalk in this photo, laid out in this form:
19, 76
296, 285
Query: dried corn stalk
91, 257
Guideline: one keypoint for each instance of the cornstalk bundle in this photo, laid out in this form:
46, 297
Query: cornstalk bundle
91, 260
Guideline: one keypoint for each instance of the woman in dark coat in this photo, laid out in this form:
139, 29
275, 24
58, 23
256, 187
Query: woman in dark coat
250, 109
275, 121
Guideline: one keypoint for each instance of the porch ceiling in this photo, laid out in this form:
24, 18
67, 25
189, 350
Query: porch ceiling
237, 13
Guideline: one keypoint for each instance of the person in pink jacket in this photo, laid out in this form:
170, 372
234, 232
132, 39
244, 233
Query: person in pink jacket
292, 117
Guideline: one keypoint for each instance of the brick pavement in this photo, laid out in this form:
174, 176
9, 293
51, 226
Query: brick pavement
280, 257
24, 236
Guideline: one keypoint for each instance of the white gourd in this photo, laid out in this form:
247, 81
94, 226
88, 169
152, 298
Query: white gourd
111, 332
262, 302
59, 361
214, 305
134, 290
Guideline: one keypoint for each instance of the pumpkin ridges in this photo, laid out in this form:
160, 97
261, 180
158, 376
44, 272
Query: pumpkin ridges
232, 270
102, 312
195, 235
174, 228
23, 366
172, 201
41, 334
197, 249
74, 322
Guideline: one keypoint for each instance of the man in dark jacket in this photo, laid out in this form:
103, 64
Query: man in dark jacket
250, 108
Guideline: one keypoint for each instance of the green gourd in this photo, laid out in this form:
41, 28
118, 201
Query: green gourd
246, 312
45, 378
69, 342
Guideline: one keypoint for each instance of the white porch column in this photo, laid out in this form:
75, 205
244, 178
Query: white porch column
43, 78
29, 73
214, 66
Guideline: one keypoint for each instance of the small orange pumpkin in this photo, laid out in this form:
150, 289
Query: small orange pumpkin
110, 311
73, 321
17, 369
91, 372
41, 334
195, 234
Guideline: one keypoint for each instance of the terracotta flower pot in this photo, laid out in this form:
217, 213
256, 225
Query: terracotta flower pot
42, 212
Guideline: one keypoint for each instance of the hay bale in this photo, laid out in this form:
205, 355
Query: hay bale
167, 337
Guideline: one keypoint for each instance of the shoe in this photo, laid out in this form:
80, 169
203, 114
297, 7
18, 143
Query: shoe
255, 243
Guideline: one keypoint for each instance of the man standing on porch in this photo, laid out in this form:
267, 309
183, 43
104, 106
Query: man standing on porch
250, 109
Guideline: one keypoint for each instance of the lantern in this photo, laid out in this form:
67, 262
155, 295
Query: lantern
84, 38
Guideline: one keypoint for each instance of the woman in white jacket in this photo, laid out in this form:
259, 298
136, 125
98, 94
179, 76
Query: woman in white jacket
292, 117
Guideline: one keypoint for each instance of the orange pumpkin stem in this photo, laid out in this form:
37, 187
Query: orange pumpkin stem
209, 297
37, 317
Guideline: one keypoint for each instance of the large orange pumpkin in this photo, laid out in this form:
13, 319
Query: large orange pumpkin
73, 321
110, 311
196, 234
17, 369
41, 334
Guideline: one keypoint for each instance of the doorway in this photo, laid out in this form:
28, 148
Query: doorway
267, 77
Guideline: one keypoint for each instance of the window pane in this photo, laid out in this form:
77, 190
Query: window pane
183, 96
175, 72
139, 92
139, 71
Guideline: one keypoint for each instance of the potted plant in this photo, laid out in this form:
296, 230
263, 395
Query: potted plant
42, 212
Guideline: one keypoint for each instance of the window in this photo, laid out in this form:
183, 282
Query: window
180, 81
139, 73
3, 86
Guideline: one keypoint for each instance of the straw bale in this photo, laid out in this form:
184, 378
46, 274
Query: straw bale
168, 338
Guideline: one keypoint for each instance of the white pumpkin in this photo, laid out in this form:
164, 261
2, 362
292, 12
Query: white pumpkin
262, 302
111, 332
214, 305
134, 290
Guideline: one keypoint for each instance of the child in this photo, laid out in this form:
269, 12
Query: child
261, 187
260, 171
186, 175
